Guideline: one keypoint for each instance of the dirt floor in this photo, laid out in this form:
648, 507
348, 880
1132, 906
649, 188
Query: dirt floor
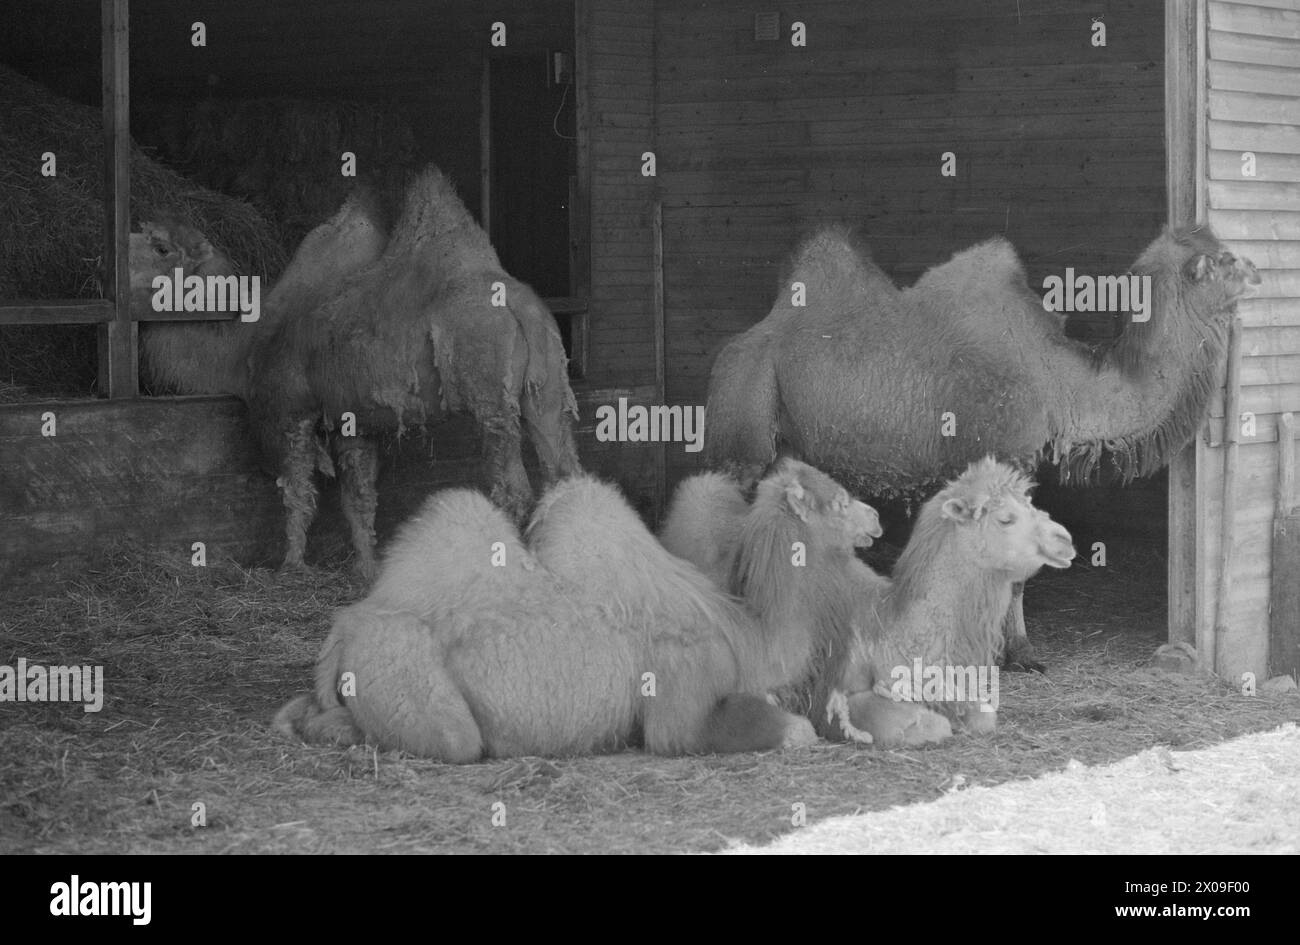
196, 660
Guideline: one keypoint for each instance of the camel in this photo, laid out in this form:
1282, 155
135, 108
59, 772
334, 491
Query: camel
591, 637
434, 326
944, 606
894, 391
217, 357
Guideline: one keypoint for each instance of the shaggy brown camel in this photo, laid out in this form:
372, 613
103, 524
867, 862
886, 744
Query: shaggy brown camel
433, 326
867, 381
943, 608
217, 357
472, 644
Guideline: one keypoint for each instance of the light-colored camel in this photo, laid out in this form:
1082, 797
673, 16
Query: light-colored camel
590, 637
867, 381
434, 326
944, 607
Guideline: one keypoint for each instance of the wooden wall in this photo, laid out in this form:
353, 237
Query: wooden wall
1252, 91
1059, 145
166, 472
615, 62
162, 473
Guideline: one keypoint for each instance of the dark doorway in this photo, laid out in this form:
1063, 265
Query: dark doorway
532, 159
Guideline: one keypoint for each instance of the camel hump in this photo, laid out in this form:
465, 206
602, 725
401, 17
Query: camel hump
831, 255
993, 262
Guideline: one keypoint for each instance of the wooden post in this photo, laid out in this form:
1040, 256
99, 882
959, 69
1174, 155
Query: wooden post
118, 367
1284, 593
661, 373
1207, 647
485, 149
1184, 137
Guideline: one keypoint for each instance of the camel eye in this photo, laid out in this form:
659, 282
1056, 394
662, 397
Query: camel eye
1006, 518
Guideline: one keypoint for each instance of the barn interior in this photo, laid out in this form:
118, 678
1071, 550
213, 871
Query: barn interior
1061, 145
1064, 146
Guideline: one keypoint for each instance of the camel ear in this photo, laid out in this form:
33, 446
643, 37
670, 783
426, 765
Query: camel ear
961, 511
799, 500
1200, 268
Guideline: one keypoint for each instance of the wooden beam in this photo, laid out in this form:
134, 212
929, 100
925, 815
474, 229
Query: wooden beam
57, 312
1184, 135
118, 368
580, 218
485, 148
661, 392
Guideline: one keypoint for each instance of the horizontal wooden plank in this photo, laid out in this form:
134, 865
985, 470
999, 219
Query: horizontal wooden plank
1269, 312
1254, 195
1245, 77
1278, 398
1255, 224
1228, 165
1260, 50
1255, 20
1244, 136
1255, 107
58, 312
1269, 254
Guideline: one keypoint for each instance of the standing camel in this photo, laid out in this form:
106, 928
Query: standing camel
434, 326
893, 392
217, 357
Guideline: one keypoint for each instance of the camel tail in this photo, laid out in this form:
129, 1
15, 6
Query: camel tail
741, 417
547, 404
301, 717
322, 718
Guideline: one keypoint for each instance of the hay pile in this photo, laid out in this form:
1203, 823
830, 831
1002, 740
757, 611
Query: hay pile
51, 228
284, 155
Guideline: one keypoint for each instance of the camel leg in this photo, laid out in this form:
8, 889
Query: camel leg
358, 464
1018, 655
504, 464
298, 490
546, 411
744, 722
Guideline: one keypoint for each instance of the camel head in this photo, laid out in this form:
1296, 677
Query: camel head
988, 513
821, 503
168, 244
1208, 278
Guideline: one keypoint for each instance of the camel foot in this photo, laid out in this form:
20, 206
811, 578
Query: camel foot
1020, 657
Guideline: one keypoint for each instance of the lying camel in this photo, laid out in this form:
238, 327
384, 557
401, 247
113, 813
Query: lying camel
944, 606
592, 636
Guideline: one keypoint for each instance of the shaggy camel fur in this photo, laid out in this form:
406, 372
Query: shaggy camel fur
594, 636
212, 357
434, 326
945, 605
217, 357
859, 380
